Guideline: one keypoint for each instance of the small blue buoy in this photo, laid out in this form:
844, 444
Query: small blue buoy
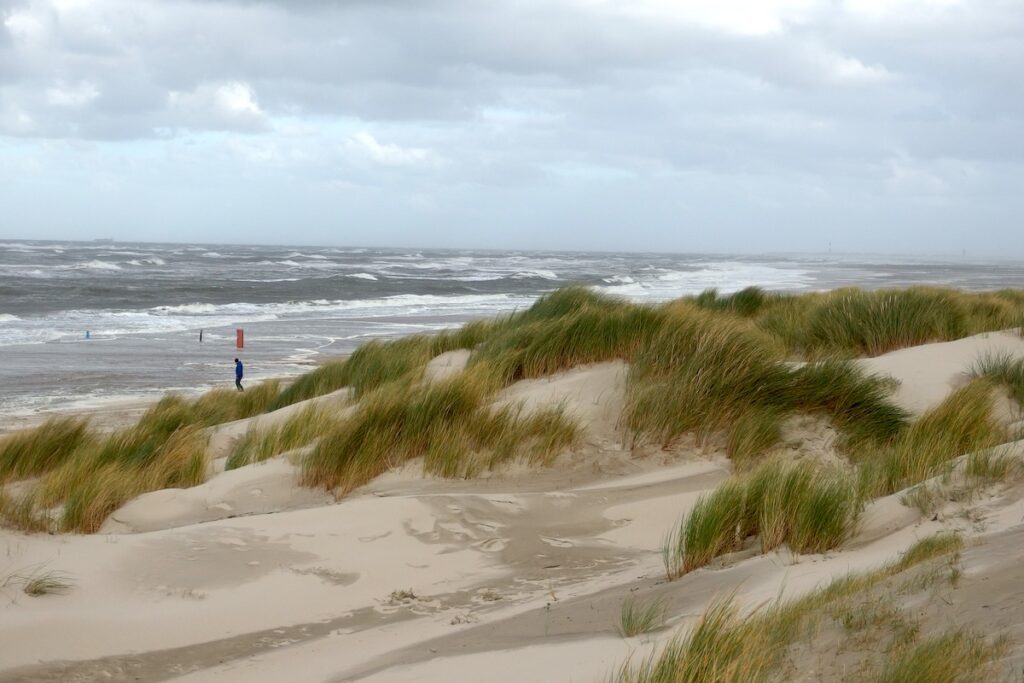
87, 334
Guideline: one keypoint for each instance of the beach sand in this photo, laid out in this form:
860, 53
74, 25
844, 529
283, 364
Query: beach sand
516, 576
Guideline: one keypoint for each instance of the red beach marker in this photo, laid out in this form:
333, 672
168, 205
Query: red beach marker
240, 338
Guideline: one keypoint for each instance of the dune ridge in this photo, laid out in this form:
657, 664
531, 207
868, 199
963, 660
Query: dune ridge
524, 569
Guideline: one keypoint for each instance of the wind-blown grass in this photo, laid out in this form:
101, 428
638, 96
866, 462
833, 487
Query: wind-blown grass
957, 656
446, 422
702, 373
746, 302
728, 646
381, 361
1003, 369
47, 583
538, 342
856, 322
808, 506
331, 376
637, 617
92, 484
32, 452
754, 432
963, 423
300, 429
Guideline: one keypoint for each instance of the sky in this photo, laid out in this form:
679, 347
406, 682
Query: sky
643, 125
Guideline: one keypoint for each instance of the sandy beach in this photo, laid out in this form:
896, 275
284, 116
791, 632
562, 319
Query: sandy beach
516, 576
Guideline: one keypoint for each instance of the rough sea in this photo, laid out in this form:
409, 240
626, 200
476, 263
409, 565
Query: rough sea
143, 305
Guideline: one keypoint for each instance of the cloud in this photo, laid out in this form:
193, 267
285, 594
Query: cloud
364, 145
217, 106
74, 96
851, 106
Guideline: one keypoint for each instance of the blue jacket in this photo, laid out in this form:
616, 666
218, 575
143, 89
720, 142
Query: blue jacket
238, 370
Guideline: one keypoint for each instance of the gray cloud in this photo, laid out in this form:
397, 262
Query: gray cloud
576, 112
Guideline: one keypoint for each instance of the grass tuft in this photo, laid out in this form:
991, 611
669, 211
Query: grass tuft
958, 656
963, 423
727, 646
808, 506
638, 617
31, 452
300, 429
447, 422
753, 433
47, 583
1004, 369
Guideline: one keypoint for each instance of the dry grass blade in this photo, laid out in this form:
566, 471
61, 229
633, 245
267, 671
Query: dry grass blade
41, 583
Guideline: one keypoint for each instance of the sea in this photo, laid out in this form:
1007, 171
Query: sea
85, 323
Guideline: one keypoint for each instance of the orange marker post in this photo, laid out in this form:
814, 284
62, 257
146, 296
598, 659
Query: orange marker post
240, 338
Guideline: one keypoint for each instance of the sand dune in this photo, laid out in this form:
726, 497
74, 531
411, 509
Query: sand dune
518, 576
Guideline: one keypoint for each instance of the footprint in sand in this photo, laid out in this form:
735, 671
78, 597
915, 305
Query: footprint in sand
492, 545
557, 542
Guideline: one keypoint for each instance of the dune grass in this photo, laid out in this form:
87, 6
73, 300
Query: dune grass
710, 364
32, 452
963, 423
48, 582
990, 466
746, 302
380, 361
532, 345
328, 377
754, 432
637, 617
300, 429
98, 480
447, 422
729, 646
808, 506
703, 373
20, 512
858, 322
957, 656
1003, 369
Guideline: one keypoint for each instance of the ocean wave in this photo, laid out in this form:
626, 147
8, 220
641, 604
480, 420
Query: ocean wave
541, 274
362, 276
7, 317
726, 276
96, 264
209, 254
153, 261
71, 325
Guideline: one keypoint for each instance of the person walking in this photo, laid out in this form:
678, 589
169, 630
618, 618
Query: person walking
239, 371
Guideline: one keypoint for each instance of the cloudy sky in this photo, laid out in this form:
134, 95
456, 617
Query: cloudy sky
680, 125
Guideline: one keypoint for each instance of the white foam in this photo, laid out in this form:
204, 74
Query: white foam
362, 276
96, 264
726, 276
543, 274
71, 325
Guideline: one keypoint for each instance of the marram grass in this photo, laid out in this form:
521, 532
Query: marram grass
448, 422
637, 617
704, 365
32, 452
810, 507
963, 423
301, 429
726, 645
